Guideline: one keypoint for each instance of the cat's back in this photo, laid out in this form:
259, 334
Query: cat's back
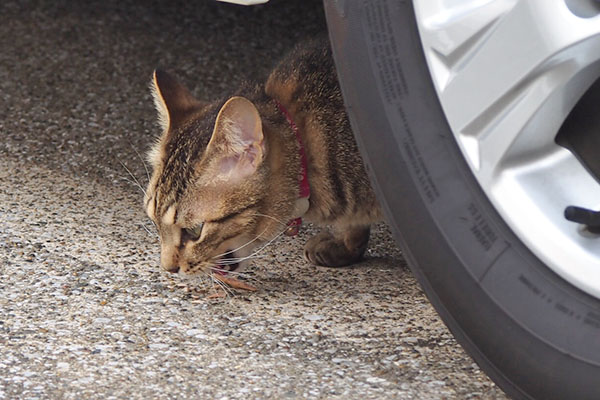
306, 80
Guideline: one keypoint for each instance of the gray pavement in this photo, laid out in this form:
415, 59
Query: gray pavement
85, 311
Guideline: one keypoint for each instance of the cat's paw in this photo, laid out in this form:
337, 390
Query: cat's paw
326, 250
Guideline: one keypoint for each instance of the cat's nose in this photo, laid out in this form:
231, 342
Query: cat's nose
169, 258
172, 269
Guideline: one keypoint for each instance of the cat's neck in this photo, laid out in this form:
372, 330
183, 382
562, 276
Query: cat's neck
284, 141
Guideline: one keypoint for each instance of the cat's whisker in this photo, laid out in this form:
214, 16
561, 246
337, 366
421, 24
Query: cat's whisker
269, 216
272, 239
256, 238
268, 243
194, 280
135, 180
234, 273
234, 261
131, 182
141, 159
154, 225
253, 240
253, 255
148, 230
222, 285
242, 246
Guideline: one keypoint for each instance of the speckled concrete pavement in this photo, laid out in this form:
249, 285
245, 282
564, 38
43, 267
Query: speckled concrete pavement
85, 311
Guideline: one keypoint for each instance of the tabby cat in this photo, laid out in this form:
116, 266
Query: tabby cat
228, 175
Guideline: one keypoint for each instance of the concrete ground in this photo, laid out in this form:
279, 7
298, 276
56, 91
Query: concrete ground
85, 311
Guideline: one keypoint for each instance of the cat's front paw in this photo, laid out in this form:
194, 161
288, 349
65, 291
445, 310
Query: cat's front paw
327, 250
317, 250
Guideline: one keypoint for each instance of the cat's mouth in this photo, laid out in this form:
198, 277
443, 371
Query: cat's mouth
228, 263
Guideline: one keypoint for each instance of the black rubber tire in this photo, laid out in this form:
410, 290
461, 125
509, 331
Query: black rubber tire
534, 334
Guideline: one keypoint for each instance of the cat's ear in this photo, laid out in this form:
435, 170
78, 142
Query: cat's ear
238, 139
173, 101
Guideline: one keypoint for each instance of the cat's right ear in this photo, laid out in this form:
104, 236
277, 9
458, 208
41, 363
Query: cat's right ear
237, 141
173, 101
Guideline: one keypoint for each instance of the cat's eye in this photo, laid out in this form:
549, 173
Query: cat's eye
195, 232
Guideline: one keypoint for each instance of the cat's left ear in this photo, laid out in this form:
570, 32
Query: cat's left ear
174, 103
238, 139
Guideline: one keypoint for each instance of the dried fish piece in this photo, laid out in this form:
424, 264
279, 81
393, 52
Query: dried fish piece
234, 283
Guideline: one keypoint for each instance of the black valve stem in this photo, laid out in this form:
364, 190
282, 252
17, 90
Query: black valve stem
580, 215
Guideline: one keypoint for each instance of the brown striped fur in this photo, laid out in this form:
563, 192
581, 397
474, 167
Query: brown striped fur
232, 165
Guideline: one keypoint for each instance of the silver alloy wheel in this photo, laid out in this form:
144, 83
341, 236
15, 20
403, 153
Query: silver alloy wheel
507, 73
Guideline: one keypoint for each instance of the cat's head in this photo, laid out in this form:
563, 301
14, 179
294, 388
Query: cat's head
210, 180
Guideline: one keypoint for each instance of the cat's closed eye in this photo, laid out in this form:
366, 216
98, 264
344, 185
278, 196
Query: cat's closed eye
194, 232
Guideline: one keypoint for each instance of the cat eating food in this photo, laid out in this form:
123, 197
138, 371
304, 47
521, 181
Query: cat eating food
228, 175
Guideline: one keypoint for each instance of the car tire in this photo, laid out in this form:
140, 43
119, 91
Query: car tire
536, 335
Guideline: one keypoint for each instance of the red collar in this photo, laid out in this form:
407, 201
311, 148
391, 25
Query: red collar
304, 193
